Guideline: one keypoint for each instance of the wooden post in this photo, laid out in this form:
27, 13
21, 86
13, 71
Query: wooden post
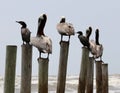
26, 69
104, 78
64, 47
83, 71
43, 75
10, 68
90, 75
98, 76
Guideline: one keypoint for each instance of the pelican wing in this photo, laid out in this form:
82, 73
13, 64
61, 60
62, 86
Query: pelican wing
43, 43
48, 42
65, 28
99, 49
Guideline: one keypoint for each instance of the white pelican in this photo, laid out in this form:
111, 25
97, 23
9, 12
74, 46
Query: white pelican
25, 32
65, 28
41, 41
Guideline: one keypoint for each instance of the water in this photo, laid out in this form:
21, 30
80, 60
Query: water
71, 84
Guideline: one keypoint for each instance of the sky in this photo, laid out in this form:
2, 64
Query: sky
101, 14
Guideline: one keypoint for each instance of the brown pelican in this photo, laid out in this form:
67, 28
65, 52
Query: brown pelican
91, 42
41, 41
83, 39
65, 28
99, 47
95, 47
25, 32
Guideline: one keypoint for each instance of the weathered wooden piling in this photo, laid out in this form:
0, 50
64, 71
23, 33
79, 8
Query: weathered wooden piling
90, 75
83, 70
43, 75
64, 47
105, 78
10, 68
98, 76
26, 69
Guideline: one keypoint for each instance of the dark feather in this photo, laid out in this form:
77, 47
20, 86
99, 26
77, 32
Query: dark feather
83, 39
25, 33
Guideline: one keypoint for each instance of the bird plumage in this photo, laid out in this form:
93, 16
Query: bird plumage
99, 47
25, 32
95, 47
41, 24
65, 28
91, 42
42, 42
83, 39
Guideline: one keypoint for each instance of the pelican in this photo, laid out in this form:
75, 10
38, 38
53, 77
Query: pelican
91, 42
25, 32
65, 28
99, 47
83, 39
42, 42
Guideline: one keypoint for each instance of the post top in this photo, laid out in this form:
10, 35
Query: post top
11, 46
64, 42
42, 59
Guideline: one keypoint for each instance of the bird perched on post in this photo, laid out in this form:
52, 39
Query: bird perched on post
83, 39
65, 28
99, 47
25, 32
42, 42
91, 42
95, 47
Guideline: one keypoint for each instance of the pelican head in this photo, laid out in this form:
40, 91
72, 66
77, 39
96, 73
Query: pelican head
42, 17
62, 19
90, 28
